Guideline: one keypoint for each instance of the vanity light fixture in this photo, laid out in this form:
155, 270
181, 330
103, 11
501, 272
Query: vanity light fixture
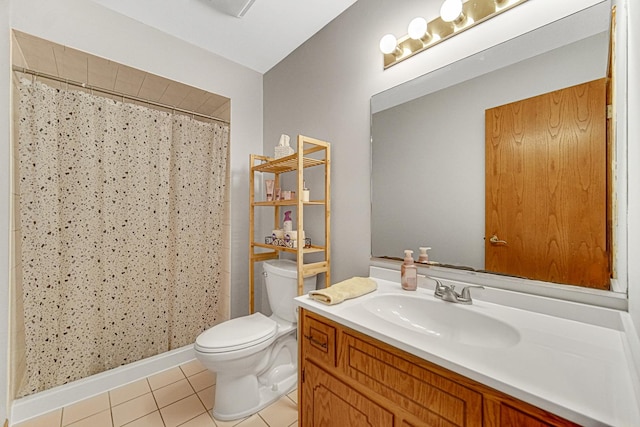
451, 10
389, 45
417, 29
455, 17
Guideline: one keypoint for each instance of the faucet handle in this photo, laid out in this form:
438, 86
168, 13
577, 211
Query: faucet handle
440, 287
466, 294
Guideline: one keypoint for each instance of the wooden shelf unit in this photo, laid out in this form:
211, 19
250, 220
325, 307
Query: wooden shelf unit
295, 163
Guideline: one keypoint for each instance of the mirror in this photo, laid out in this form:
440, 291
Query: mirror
428, 137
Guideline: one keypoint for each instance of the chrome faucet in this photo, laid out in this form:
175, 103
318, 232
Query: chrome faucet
448, 293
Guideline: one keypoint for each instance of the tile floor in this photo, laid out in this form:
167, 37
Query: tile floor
181, 396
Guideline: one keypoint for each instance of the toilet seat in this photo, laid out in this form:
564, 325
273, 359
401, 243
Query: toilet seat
237, 334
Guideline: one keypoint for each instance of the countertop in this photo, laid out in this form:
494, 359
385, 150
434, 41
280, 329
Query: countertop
579, 371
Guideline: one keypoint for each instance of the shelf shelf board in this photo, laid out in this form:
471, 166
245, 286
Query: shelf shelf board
286, 164
310, 250
288, 203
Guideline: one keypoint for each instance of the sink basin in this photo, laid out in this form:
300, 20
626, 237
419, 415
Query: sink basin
443, 320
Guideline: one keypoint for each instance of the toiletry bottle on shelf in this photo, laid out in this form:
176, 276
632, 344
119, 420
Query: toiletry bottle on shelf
305, 192
287, 224
268, 183
408, 272
424, 256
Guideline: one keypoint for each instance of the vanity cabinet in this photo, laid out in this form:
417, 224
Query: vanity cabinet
350, 379
329, 402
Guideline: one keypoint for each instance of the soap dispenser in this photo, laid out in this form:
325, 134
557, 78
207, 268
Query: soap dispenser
408, 272
424, 256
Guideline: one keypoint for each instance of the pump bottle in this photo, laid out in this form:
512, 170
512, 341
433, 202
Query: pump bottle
408, 272
424, 256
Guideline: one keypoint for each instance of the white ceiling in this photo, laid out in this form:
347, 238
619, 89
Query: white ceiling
268, 32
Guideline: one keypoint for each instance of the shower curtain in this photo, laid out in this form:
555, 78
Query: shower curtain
121, 213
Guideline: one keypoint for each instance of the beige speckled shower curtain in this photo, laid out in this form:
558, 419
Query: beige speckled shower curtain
121, 212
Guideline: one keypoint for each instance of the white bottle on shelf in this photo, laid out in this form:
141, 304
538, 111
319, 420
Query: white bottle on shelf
305, 192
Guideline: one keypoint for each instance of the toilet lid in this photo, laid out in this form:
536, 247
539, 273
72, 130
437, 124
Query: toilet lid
236, 334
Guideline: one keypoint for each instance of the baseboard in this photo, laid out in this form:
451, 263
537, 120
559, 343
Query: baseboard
58, 397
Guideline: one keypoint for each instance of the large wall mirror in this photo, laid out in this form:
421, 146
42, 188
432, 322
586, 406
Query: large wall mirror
429, 144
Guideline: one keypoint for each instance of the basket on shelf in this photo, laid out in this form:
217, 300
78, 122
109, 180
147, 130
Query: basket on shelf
287, 243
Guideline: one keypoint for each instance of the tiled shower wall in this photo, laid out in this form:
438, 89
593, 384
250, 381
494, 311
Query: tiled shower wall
16, 329
17, 332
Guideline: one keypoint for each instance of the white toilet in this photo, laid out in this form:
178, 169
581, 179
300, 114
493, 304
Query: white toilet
255, 357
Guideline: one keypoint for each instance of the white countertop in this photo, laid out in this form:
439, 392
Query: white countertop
579, 371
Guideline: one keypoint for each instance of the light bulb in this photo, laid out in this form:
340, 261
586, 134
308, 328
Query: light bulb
417, 28
450, 10
388, 44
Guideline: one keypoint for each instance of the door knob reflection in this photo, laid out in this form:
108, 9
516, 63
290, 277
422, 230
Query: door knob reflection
496, 241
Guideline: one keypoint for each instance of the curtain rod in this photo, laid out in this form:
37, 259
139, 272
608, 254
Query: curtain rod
114, 93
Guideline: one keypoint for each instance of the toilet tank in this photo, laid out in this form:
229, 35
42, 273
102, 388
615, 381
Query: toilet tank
281, 280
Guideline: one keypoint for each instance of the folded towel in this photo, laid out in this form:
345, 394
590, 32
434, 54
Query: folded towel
350, 288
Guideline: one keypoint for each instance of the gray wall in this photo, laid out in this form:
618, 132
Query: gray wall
634, 161
323, 89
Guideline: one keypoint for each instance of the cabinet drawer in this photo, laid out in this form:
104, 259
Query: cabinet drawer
318, 339
433, 398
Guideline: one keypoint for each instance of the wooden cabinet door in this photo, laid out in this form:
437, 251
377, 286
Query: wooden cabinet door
431, 399
328, 402
546, 169
501, 414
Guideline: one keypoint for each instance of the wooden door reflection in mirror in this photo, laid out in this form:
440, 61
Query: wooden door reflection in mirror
546, 169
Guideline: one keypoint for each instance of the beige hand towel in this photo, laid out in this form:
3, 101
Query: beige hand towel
350, 288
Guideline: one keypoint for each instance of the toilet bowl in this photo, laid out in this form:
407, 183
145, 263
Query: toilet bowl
255, 357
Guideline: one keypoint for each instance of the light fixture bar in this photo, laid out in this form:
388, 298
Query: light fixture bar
439, 30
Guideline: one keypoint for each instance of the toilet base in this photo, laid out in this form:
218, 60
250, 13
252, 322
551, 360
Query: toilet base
244, 395
267, 395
